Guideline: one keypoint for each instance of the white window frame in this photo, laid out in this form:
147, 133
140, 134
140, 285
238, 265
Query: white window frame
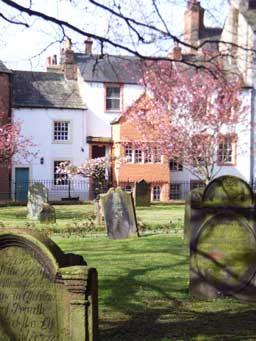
64, 183
156, 193
129, 154
60, 141
118, 86
226, 153
138, 156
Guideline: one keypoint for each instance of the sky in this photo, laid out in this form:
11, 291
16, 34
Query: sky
27, 49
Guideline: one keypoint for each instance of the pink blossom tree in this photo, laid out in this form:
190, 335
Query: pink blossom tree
186, 112
13, 143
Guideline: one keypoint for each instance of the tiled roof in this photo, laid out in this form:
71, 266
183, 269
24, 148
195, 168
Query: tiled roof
45, 90
3, 68
111, 69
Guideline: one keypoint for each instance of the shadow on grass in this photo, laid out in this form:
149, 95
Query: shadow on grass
178, 324
168, 318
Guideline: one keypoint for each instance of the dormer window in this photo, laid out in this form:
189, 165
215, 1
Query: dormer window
252, 4
113, 97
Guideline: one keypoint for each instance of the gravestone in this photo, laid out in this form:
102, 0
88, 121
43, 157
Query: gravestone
47, 214
45, 294
142, 193
119, 213
194, 196
223, 241
98, 211
37, 196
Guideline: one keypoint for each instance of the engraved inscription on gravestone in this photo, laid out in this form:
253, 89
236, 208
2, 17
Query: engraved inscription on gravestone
27, 298
44, 293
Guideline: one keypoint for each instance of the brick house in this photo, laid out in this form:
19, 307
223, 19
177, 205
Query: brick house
141, 163
5, 108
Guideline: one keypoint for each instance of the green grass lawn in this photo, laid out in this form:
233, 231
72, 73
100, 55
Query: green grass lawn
143, 282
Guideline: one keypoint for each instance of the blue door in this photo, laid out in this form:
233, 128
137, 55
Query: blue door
21, 183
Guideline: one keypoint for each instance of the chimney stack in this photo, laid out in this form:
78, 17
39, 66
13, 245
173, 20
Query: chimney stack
88, 46
176, 52
194, 23
68, 61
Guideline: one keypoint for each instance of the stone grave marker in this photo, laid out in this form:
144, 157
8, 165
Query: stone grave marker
47, 214
223, 241
37, 196
142, 193
119, 213
45, 294
194, 196
99, 219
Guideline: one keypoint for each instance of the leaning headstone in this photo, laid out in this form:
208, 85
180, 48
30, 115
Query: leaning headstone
119, 213
223, 241
47, 214
45, 294
142, 193
37, 196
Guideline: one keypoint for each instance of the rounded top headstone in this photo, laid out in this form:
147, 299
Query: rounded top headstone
228, 191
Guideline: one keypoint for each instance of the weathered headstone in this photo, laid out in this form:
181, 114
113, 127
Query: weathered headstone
223, 241
142, 193
119, 213
47, 214
45, 294
37, 196
194, 196
98, 211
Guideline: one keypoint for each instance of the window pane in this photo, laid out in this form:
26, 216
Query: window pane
138, 156
175, 192
226, 151
113, 104
147, 155
113, 98
61, 131
128, 154
59, 179
156, 193
113, 92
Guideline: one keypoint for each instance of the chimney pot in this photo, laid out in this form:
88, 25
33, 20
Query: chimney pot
68, 44
48, 61
88, 46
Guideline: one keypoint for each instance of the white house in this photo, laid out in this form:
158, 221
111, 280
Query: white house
54, 115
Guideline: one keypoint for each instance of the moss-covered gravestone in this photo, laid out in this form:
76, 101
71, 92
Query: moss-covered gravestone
119, 213
37, 197
142, 193
47, 214
223, 241
44, 293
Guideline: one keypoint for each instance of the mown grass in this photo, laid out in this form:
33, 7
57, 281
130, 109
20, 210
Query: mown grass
79, 219
143, 293
143, 282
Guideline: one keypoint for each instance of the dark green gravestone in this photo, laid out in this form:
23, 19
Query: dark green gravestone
119, 213
44, 293
142, 194
223, 241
